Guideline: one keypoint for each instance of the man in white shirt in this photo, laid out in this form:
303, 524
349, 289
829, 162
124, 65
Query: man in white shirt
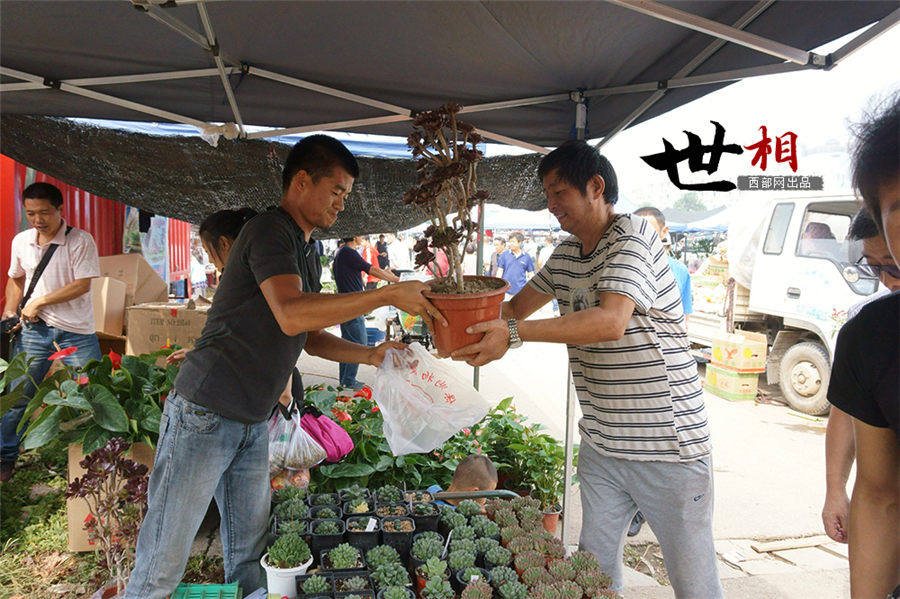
59, 313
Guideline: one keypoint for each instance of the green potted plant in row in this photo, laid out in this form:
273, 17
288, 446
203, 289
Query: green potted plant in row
434, 568
363, 531
477, 590
314, 586
287, 558
343, 558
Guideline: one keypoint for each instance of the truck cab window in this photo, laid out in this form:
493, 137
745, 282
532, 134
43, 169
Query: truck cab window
824, 235
778, 227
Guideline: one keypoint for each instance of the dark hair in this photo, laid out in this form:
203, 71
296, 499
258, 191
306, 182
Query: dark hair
576, 162
654, 213
317, 155
43, 191
502, 240
471, 247
347, 239
517, 236
224, 223
862, 227
875, 161
476, 470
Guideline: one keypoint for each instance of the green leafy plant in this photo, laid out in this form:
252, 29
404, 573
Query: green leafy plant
353, 596
392, 574
487, 529
327, 527
552, 548
382, 555
426, 547
396, 592
423, 509
525, 542
499, 556
460, 560
453, 519
316, 585
602, 594
500, 575
292, 527
532, 577
358, 506
561, 569
116, 396
508, 533
436, 588
467, 545
492, 505
544, 590
289, 493
289, 551
505, 518
513, 590
358, 523
354, 492
583, 560
434, 567
569, 590
468, 507
354, 583
430, 534
464, 532
477, 590
485, 544
592, 579
389, 494
344, 556
325, 513
529, 559
478, 520
472, 572
294, 509
326, 499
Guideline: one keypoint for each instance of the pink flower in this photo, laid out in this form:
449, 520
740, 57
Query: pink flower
83, 380
466, 431
340, 415
376, 409
63, 353
364, 392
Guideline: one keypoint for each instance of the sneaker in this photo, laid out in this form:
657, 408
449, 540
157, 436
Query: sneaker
636, 523
6, 471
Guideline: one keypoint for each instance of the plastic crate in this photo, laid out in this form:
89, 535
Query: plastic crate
207, 591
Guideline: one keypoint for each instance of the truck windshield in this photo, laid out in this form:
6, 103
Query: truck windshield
824, 235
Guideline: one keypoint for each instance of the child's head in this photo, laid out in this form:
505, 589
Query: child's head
474, 473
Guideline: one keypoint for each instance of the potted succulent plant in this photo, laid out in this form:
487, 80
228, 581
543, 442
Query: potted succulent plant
423, 549
395, 592
458, 561
115, 490
425, 515
325, 512
286, 559
501, 575
356, 595
382, 555
359, 507
532, 577
470, 575
343, 558
418, 496
529, 559
363, 532
352, 583
449, 521
446, 191
437, 588
467, 545
513, 590
388, 575
477, 590
289, 493
498, 556
325, 534
433, 568
388, 494
323, 499
397, 531
314, 585
354, 492
385, 510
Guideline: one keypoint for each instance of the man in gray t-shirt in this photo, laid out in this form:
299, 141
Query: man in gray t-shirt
213, 438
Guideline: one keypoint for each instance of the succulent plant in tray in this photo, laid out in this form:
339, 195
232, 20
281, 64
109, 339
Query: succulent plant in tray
326, 499
289, 551
436, 588
354, 492
499, 556
358, 506
391, 510
423, 509
393, 574
344, 557
513, 590
569, 590
468, 508
382, 555
485, 544
419, 496
325, 513
583, 560
396, 592
289, 493
352, 583
316, 585
358, 524
532, 577
293, 509
467, 545
389, 494
327, 527
500, 575
426, 547
477, 590
460, 560
433, 567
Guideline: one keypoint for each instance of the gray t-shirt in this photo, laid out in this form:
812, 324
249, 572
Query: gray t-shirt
240, 364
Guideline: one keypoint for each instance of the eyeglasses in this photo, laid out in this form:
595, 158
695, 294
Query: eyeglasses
875, 270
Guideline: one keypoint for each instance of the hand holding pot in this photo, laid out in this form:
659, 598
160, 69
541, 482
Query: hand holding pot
492, 346
408, 297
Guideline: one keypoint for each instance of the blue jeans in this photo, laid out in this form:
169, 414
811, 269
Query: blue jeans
36, 339
355, 331
201, 455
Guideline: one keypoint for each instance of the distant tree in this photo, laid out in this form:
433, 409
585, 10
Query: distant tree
689, 202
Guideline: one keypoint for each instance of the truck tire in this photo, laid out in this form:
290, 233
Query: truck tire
803, 377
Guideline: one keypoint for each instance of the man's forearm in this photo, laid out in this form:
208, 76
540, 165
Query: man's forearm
325, 345
384, 275
840, 450
874, 556
313, 311
578, 328
15, 289
76, 288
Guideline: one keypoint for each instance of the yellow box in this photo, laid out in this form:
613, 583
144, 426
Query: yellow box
742, 351
730, 384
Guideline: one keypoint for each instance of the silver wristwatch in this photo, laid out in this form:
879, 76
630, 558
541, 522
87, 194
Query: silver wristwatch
514, 339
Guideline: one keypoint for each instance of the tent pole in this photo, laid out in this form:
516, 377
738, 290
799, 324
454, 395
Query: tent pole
863, 38
725, 32
513, 142
479, 271
392, 118
220, 65
89, 81
687, 69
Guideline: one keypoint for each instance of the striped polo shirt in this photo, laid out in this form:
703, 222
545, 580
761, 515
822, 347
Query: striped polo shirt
640, 396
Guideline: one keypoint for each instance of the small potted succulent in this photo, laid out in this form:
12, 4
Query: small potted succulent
467, 545
321, 499
486, 528
436, 588
569, 590
356, 595
352, 583
458, 561
533, 577
397, 531
382, 555
425, 514
463, 532
583, 560
446, 191
392, 574
505, 517
590, 580
501, 575
433, 568
291, 527
314, 585
395, 592
325, 535
288, 493
291, 509
469, 508
508, 533
498, 556
477, 590
359, 507
544, 590
418, 496
485, 544
343, 558
470, 575
450, 520
325, 512
424, 548
529, 559
385, 510
286, 559
513, 590
363, 532
388, 494
354, 492
552, 548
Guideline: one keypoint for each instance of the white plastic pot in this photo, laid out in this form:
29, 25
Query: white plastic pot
283, 581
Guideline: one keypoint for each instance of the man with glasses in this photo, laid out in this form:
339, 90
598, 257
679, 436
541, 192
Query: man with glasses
840, 446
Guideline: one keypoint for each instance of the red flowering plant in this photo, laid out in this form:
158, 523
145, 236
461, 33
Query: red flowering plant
447, 153
116, 396
115, 490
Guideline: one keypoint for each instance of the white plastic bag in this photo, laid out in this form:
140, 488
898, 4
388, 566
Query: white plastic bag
290, 446
280, 431
423, 400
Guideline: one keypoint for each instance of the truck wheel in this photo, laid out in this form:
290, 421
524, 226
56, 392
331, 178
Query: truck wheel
803, 378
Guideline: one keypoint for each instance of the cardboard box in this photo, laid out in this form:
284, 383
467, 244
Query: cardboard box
76, 507
741, 351
143, 284
730, 384
151, 326
108, 295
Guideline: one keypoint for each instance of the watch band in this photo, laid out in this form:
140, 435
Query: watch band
514, 339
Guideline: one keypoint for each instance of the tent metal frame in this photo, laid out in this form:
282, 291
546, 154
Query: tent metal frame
226, 66
795, 59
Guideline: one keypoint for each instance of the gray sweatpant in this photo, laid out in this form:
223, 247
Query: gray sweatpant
676, 498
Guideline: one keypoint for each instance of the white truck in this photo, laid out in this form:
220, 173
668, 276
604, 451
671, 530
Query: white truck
802, 279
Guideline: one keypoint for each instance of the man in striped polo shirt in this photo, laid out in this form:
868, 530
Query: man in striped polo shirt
645, 436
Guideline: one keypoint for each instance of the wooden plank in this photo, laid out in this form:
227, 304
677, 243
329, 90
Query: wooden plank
790, 544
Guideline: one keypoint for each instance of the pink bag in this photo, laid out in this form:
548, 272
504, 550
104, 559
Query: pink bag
328, 433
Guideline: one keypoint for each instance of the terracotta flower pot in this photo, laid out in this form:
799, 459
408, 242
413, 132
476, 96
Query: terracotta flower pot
462, 310
551, 520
